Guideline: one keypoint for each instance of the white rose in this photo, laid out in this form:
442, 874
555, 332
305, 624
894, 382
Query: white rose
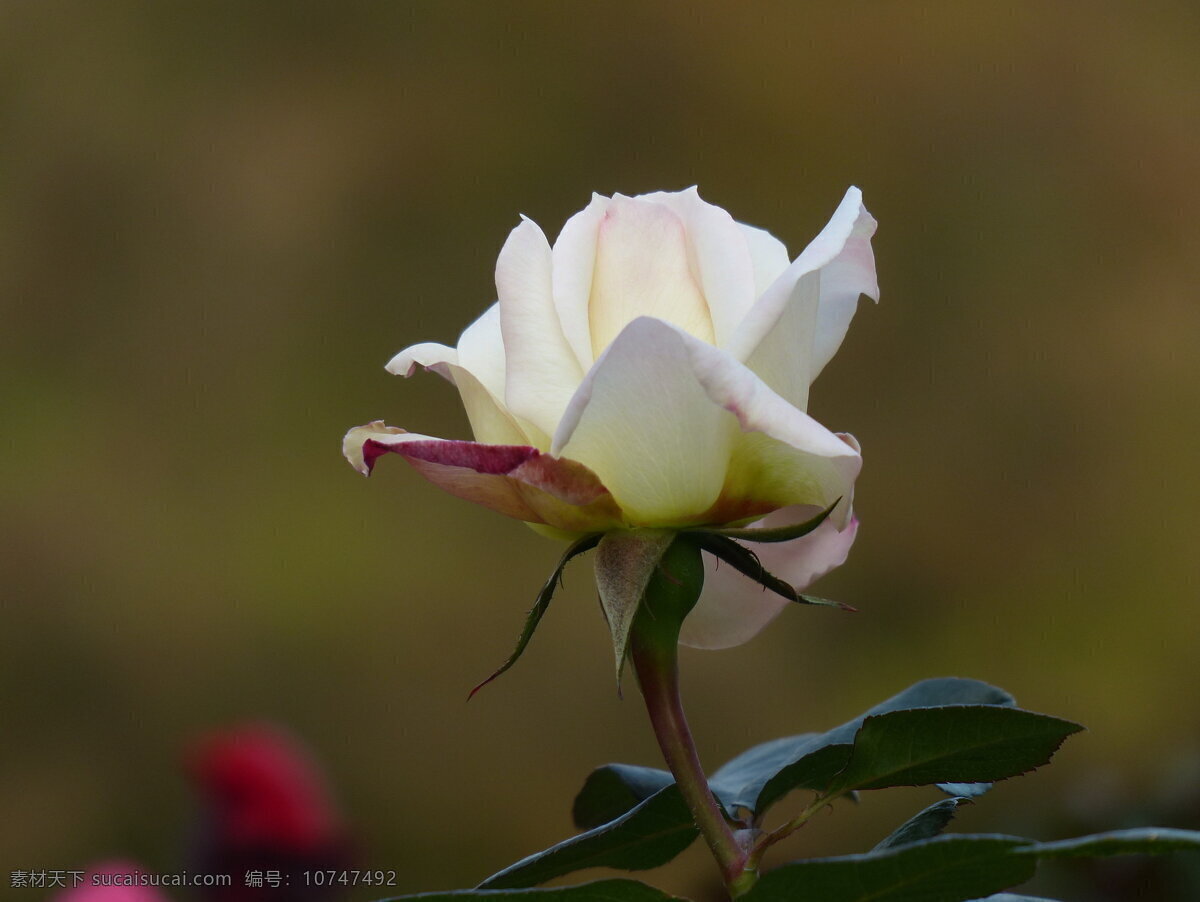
652, 369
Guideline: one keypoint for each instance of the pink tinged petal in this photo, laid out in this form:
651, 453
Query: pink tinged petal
732, 609
516, 480
842, 257
574, 258
642, 269
643, 422
720, 257
541, 370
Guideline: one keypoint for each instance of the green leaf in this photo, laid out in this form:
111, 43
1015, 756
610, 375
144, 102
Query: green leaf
747, 563
1137, 841
924, 825
762, 775
599, 891
649, 835
943, 869
611, 790
960, 743
625, 561
951, 868
775, 534
539, 607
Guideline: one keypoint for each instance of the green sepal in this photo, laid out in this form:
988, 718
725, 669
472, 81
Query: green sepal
747, 563
534, 617
626, 562
647, 836
618, 890
775, 533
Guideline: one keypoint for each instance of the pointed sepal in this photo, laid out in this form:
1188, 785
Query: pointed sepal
534, 617
747, 563
774, 534
625, 563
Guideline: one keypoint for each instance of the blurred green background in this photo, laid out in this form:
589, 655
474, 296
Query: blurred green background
219, 220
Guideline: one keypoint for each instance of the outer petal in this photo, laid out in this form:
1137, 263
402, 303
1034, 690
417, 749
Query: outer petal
643, 268
541, 371
732, 608
657, 419
843, 267
490, 421
574, 258
433, 356
480, 351
516, 480
721, 258
643, 422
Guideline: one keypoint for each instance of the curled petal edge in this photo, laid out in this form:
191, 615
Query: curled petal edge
516, 480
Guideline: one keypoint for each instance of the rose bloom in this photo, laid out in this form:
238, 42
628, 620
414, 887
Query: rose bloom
652, 369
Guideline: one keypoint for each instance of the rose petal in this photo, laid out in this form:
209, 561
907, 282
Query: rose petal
516, 480
842, 257
643, 269
574, 259
429, 354
541, 370
480, 351
643, 422
733, 608
721, 260
490, 422
768, 255
657, 420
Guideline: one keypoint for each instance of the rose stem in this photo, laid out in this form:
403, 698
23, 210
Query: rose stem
654, 652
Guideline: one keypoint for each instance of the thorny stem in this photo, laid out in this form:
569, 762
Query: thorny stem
765, 842
655, 660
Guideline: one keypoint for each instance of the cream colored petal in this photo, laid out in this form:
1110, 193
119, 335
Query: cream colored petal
574, 259
841, 264
491, 424
642, 269
430, 355
733, 608
541, 371
643, 422
768, 254
481, 350
720, 260
658, 420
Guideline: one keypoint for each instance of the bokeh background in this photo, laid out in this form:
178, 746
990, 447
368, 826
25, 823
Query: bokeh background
218, 220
